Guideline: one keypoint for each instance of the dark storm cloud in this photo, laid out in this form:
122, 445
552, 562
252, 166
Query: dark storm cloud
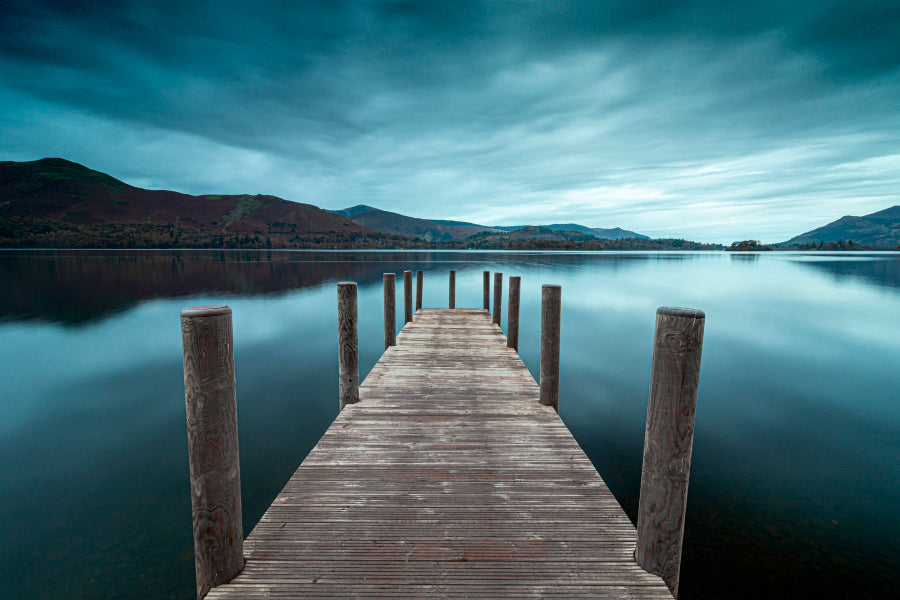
612, 113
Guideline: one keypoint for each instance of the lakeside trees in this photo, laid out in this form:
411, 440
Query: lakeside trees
25, 232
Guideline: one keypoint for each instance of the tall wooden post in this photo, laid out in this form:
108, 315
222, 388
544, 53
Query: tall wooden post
390, 311
452, 298
512, 319
551, 299
407, 297
418, 290
486, 277
211, 406
498, 296
674, 379
348, 344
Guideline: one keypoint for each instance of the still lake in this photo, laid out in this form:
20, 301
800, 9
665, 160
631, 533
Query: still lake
795, 481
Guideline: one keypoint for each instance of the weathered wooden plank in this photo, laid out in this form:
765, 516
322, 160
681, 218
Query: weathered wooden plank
449, 479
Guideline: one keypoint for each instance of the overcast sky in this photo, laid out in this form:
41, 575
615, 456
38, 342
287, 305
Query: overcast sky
714, 121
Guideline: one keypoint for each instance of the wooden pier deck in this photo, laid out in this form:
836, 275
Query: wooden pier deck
448, 479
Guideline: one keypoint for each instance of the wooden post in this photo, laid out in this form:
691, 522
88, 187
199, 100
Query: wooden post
674, 378
348, 344
512, 319
407, 297
498, 296
486, 276
390, 311
418, 290
452, 289
551, 299
211, 406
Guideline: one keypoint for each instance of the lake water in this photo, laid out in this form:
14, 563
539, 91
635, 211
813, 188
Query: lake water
795, 482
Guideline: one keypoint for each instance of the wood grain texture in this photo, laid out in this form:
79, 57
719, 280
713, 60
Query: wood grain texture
407, 297
419, 288
452, 297
498, 297
390, 310
449, 480
551, 300
674, 380
486, 279
211, 407
512, 317
348, 344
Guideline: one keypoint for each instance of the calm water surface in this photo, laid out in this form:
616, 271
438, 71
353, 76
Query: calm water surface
794, 485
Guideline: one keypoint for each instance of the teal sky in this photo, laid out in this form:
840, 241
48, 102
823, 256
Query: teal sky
713, 121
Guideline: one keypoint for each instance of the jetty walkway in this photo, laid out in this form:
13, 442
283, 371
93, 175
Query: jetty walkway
447, 479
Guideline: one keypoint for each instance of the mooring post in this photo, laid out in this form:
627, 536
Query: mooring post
512, 319
348, 344
390, 310
674, 379
452, 298
407, 297
418, 290
498, 296
551, 299
486, 276
211, 406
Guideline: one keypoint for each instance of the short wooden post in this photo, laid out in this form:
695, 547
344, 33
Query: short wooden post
407, 297
348, 344
452, 298
418, 290
211, 406
390, 310
512, 319
498, 296
486, 276
551, 299
674, 378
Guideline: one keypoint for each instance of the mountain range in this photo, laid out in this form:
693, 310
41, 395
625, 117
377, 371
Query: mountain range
437, 230
54, 202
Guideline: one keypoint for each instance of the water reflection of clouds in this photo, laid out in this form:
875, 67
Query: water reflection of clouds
882, 270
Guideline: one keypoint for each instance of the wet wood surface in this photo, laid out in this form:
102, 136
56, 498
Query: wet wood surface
449, 479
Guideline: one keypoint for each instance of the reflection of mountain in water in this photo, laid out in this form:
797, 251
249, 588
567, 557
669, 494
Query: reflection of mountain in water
879, 270
79, 286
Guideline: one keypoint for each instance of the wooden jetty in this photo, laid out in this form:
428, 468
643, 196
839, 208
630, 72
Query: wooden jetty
443, 476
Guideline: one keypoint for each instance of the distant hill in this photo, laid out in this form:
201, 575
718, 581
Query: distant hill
880, 228
616, 233
435, 230
56, 202
398, 224
533, 233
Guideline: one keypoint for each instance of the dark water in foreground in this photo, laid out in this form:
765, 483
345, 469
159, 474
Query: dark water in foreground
795, 482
